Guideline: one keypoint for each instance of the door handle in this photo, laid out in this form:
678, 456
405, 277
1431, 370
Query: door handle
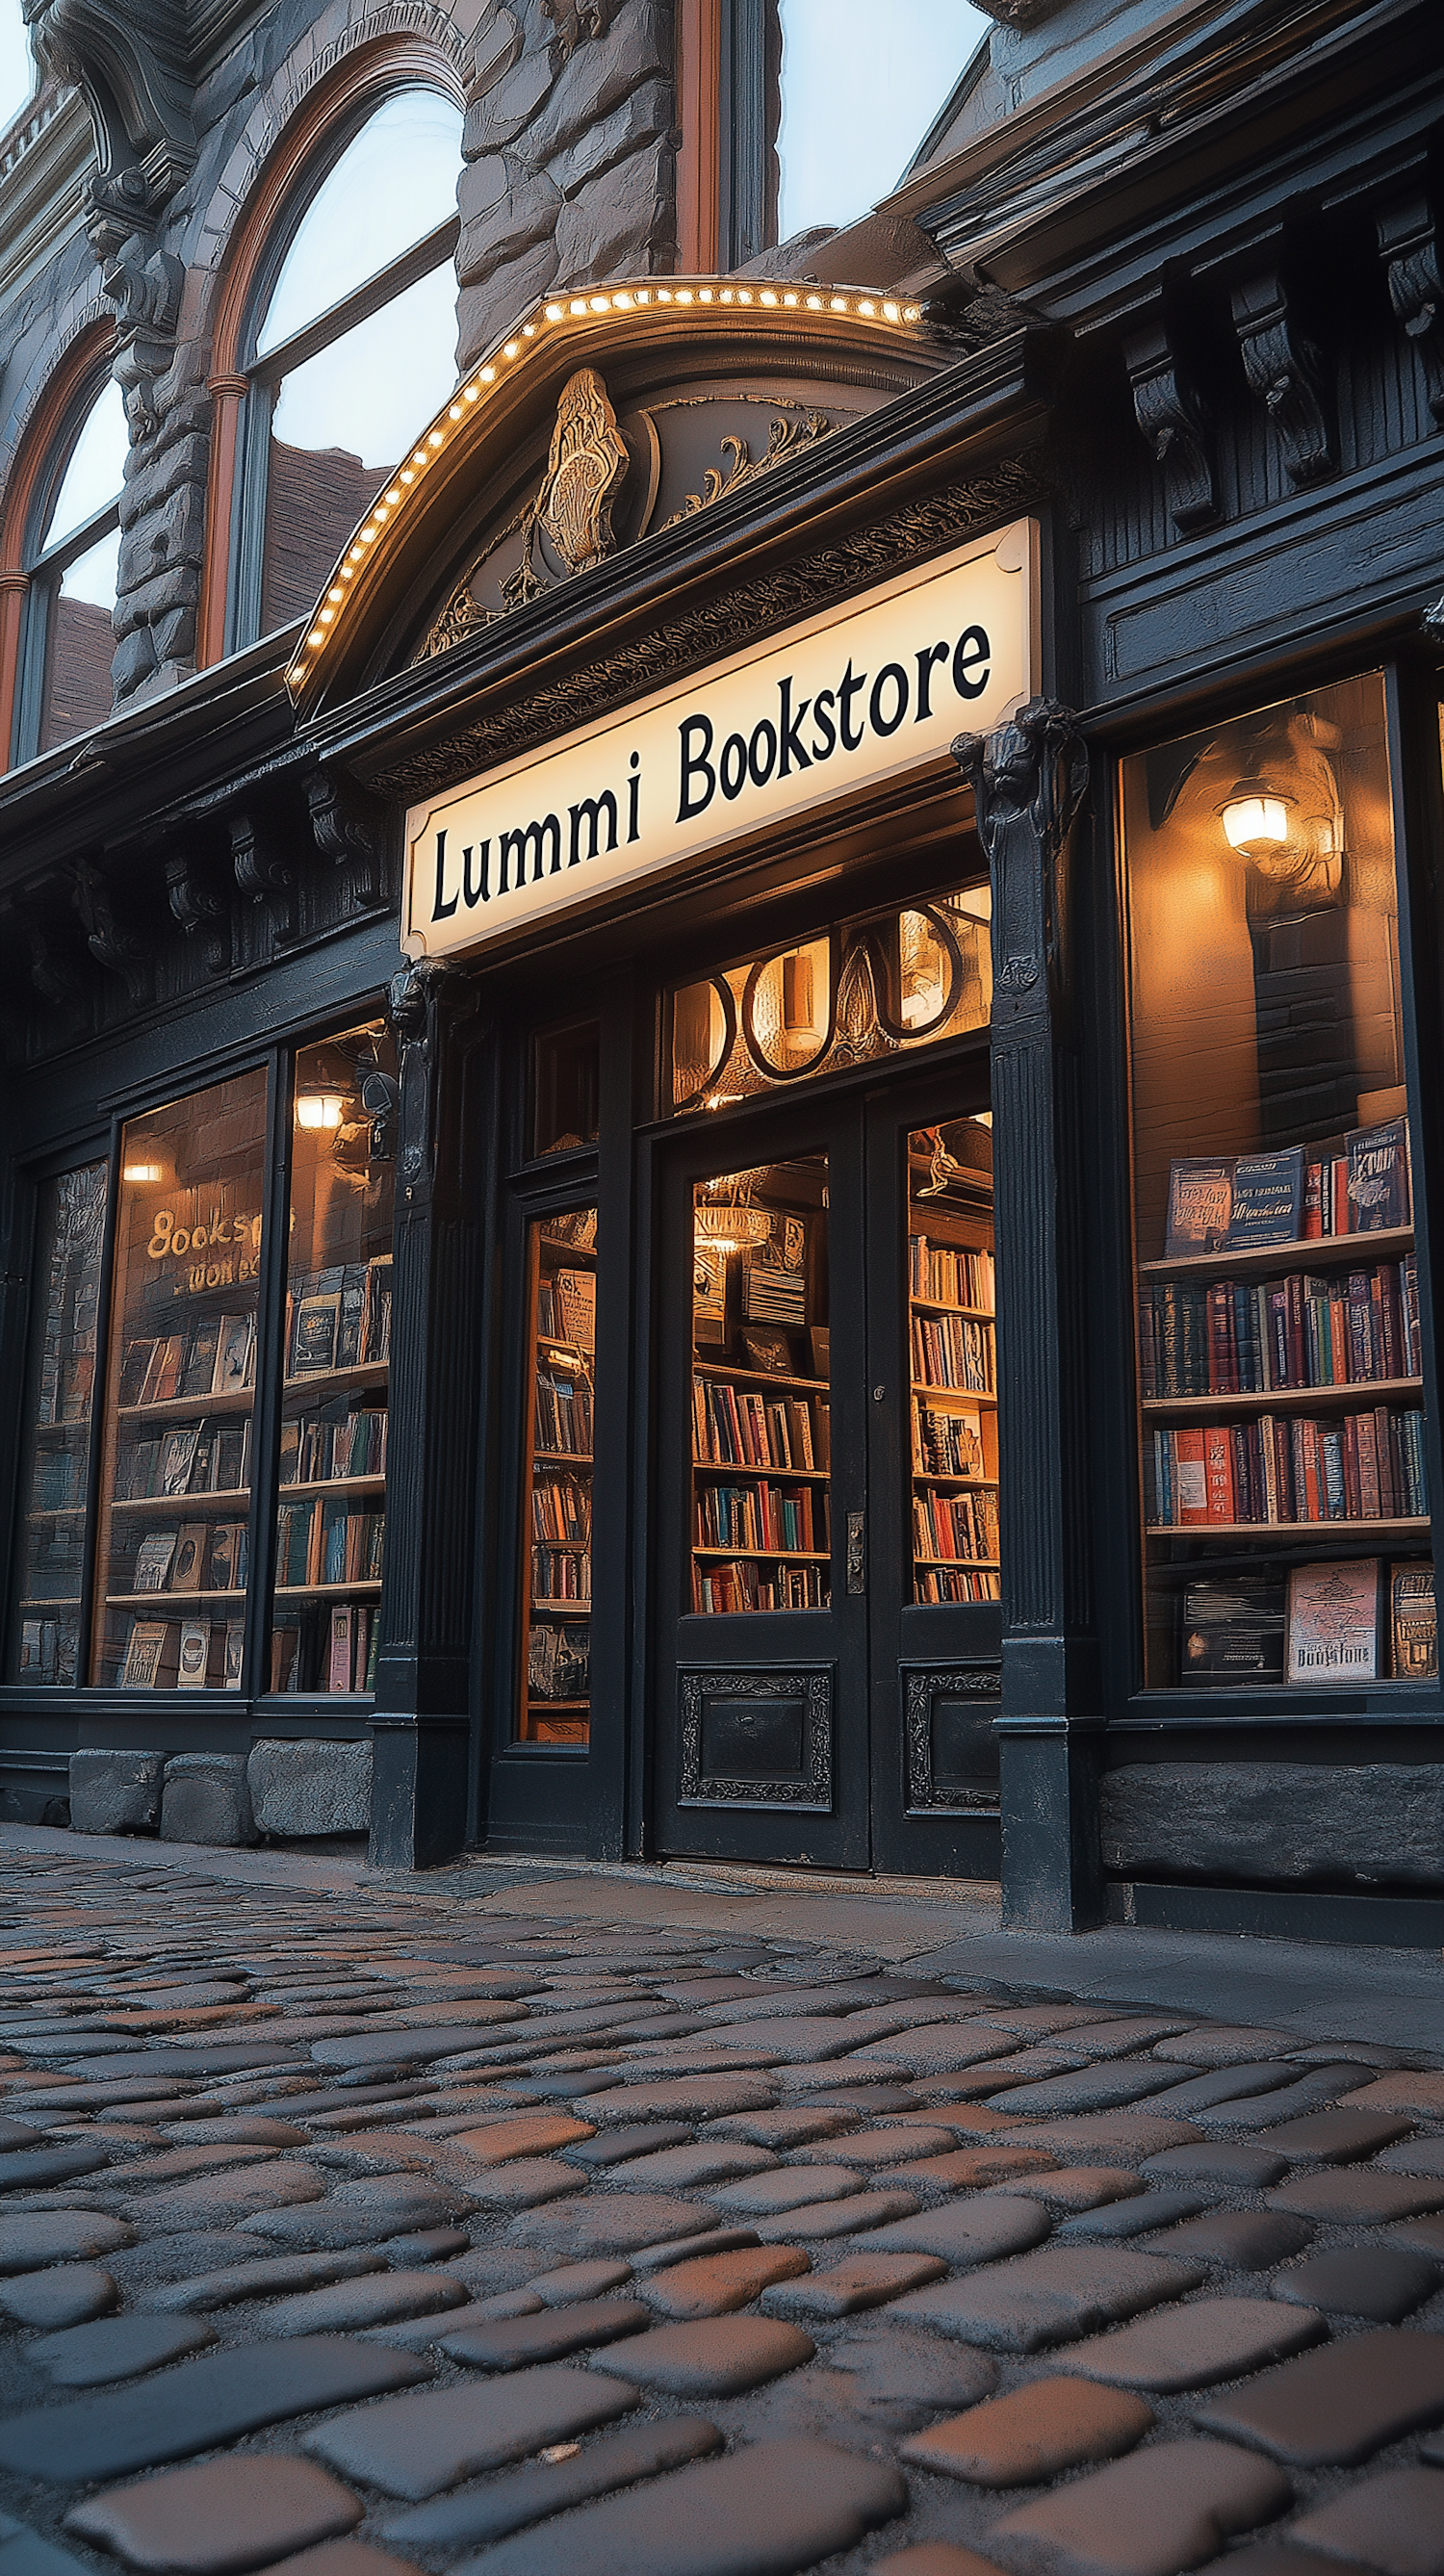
856, 1552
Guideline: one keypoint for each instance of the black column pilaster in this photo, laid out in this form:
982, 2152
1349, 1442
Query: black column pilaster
1028, 779
421, 1729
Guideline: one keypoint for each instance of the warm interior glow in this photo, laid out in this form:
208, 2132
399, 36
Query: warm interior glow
1254, 821
142, 1172
319, 1108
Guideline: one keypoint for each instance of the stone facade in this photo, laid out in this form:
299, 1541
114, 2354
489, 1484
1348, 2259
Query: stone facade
1376, 1824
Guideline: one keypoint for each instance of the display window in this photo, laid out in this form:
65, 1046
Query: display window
554, 1687
331, 1517
1280, 1354
175, 1487
952, 1303
55, 1431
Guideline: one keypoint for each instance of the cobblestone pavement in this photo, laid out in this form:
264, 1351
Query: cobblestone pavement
358, 2234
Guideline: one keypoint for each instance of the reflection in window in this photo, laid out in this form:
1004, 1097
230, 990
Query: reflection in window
951, 1305
856, 101
354, 347
45, 1647
554, 1697
875, 987
70, 633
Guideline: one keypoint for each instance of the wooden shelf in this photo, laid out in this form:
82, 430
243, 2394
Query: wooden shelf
554, 1707
336, 1381
1307, 1252
181, 1502
327, 1591
564, 1457
760, 1377
333, 1485
793, 1475
43, 1609
170, 1605
53, 1512
758, 1555
1362, 1392
1286, 1529
573, 1609
963, 1564
940, 1306
956, 1394
187, 1408
570, 1546
977, 1484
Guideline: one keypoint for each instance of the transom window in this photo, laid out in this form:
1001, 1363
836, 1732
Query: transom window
353, 349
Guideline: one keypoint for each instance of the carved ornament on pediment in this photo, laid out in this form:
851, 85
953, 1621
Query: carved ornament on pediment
785, 438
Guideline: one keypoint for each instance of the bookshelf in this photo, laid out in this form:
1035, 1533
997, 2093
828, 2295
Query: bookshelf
553, 1704
761, 1417
953, 1403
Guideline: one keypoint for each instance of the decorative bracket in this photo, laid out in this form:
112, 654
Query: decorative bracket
111, 937
1410, 250
411, 1009
1285, 370
1028, 781
259, 869
198, 907
1174, 421
348, 827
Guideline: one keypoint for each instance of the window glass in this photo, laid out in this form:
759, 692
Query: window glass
17, 70
340, 426
566, 1088
173, 1543
880, 986
80, 643
855, 106
1280, 1354
55, 1437
391, 187
761, 1411
951, 1305
96, 470
554, 1694
331, 1521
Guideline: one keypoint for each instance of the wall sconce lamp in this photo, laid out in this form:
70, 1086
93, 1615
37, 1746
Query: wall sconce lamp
319, 1109
142, 1172
1255, 818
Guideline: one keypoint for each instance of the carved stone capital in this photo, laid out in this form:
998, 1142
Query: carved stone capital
1410, 249
1028, 781
1174, 420
1285, 370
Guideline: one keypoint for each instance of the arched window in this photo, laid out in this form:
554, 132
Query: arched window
72, 560
351, 345
17, 68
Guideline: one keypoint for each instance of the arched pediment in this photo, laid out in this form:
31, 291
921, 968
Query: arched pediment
601, 420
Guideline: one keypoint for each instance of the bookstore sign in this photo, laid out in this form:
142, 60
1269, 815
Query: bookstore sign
848, 700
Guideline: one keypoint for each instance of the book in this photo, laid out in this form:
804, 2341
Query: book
235, 1354
1413, 1624
235, 1648
152, 1561
1218, 1472
576, 1303
188, 1565
200, 1360
177, 1456
144, 1654
285, 1655
1200, 1204
1378, 1182
162, 1377
350, 1318
1268, 1191
1191, 1477
230, 1473
1233, 1630
338, 1677
195, 1654
137, 1360
317, 1323
1333, 1621
225, 1570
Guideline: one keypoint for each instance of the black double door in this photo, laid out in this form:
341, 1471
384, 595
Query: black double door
827, 1630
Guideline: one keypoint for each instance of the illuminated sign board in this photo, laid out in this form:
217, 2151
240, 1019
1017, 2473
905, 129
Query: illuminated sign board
873, 690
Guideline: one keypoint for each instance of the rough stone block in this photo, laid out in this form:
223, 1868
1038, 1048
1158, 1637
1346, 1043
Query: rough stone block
113, 1792
206, 1800
1380, 1822
301, 1788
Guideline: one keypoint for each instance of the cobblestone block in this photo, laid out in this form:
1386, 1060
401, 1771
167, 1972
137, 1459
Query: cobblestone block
683, 2097
1224, 2044
1357, 2199
1119, 2219
716, 2284
31, 2238
572, 2281
1247, 2240
1170, 2506
781, 2130
1048, 2297
1337, 2137
716, 2357
851, 2215
418, 2445
530, 2495
87, 2356
1194, 2345
1417, 2095
1077, 2187
1394, 2523
1035, 2432
1100, 2088
1340, 2404
969, 2231
260, 2277
611, 2223
1370, 2281
1116, 2137
224, 2517
376, 2299
510, 2344
864, 2281
900, 2379
70, 2294
1232, 2168
1416, 2156
594, 2149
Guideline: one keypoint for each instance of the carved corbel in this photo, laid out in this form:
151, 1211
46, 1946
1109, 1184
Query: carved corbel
198, 907
1174, 421
349, 828
1028, 781
1416, 288
411, 1008
1285, 370
111, 936
260, 871
55, 971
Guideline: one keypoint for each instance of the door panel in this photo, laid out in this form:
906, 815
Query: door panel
761, 1715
